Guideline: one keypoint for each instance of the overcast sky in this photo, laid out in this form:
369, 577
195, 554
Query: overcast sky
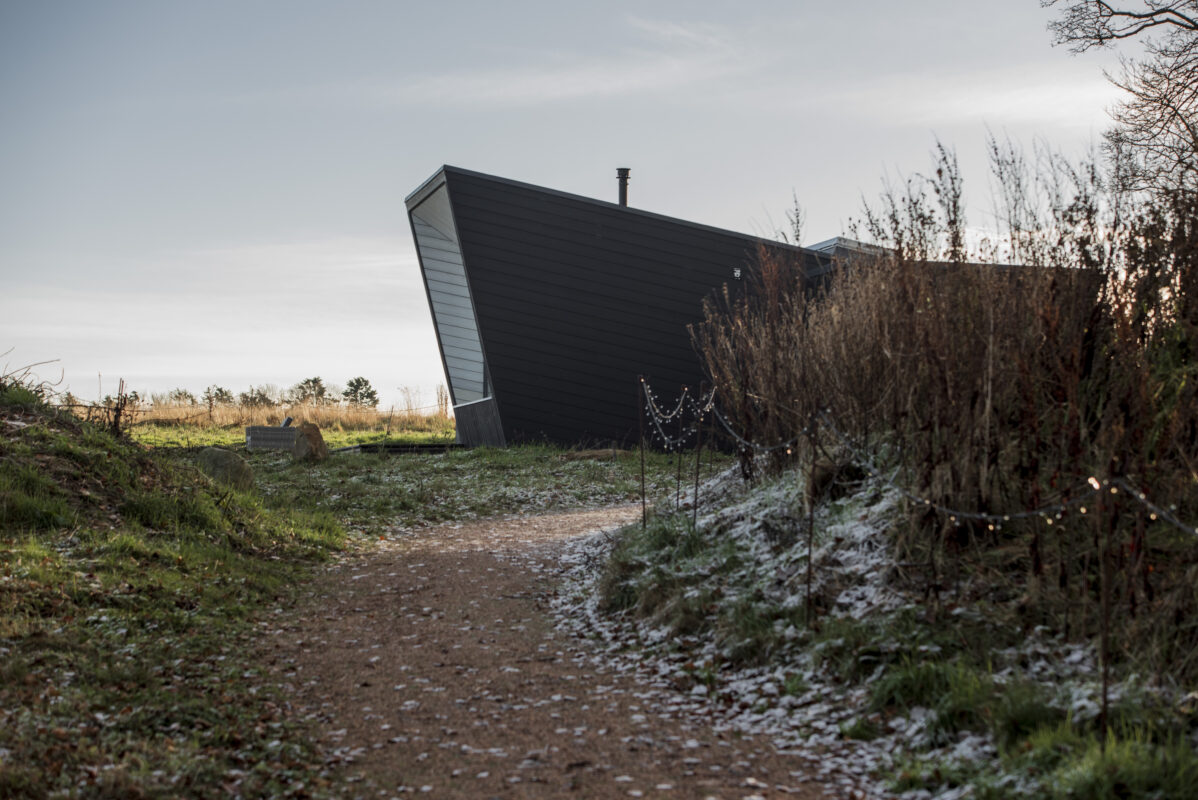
212, 192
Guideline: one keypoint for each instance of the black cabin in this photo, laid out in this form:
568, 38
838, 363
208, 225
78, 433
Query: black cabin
548, 305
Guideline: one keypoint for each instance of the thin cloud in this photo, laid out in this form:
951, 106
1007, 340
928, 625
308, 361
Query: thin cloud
675, 56
695, 35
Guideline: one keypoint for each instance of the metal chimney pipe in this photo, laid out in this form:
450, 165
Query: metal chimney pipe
622, 177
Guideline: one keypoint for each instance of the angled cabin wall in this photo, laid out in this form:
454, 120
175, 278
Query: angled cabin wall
574, 298
452, 309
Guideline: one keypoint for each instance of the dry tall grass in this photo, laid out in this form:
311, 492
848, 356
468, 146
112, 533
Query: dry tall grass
1001, 389
327, 416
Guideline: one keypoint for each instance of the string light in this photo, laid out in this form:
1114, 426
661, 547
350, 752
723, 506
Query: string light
657, 412
1153, 508
1045, 511
658, 417
1092, 487
700, 408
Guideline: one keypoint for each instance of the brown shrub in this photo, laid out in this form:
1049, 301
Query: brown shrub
999, 389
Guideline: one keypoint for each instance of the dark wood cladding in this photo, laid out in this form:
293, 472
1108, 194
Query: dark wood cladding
576, 297
478, 424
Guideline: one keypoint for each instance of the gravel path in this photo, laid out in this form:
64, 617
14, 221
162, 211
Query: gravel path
432, 667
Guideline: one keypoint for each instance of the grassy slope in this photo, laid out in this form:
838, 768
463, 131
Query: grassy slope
127, 592
718, 592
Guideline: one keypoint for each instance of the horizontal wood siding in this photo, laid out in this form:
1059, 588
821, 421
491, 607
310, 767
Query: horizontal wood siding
575, 298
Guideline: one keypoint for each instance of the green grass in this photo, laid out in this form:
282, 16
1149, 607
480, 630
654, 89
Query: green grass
912, 773
1130, 765
369, 490
1020, 711
1146, 753
864, 729
129, 594
18, 396
961, 696
911, 684
681, 579
30, 500
852, 650
1060, 762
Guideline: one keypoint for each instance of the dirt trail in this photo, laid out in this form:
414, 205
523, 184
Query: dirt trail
434, 668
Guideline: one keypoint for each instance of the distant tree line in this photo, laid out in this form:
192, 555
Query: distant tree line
358, 392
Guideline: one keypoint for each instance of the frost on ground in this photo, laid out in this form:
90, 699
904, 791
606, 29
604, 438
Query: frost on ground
754, 554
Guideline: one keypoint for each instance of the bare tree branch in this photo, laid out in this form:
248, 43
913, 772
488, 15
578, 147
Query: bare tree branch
1095, 23
1155, 140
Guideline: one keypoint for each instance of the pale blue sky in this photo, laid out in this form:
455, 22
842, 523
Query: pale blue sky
212, 192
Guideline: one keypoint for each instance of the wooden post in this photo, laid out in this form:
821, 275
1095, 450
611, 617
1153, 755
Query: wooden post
678, 483
640, 405
810, 495
1104, 576
698, 456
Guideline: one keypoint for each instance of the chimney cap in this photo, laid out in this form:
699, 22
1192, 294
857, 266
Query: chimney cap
622, 177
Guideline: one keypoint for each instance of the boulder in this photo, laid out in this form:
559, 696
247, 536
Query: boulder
225, 466
309, 444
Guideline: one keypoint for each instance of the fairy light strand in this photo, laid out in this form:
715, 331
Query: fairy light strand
1046, 512
1092, 487
1049, 513
657, 412
1159, 513
658, 417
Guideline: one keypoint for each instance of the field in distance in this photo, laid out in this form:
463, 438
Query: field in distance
187, 425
